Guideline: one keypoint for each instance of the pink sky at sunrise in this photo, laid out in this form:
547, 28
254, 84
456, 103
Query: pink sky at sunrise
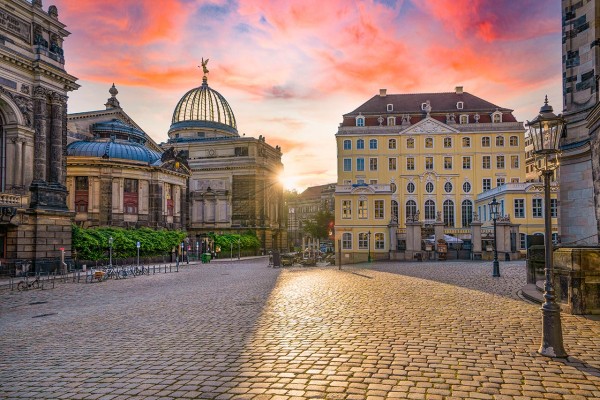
290, 69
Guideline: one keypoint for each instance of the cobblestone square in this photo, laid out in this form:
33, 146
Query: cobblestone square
240, 330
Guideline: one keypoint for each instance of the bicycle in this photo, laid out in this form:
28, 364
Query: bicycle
25, 285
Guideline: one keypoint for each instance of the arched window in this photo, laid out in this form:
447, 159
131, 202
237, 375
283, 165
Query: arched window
467, 213
395, 215
411, 208
360, 144
360, 121
429, 210
392, 144
497, 117
448, 213
347, 241
499, 141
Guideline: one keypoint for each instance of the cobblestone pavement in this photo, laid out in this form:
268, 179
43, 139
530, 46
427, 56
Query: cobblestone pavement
240, 330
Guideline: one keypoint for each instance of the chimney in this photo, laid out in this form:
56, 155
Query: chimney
382, 92
459, 90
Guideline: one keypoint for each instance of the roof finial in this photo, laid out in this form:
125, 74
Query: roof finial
546, 108
112, 102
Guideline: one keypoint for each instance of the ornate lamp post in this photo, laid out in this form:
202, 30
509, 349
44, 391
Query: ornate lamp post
110, 244
545, 131
369, 246
494, 213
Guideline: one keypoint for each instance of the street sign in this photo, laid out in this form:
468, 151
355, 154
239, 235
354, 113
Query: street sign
137, 245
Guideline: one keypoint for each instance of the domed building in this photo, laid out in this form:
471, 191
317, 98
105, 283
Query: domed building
234, 185
118, 176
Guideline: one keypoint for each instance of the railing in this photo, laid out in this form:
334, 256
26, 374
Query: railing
8, 199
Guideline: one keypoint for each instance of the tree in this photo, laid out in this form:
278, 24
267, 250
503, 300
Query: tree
320, 226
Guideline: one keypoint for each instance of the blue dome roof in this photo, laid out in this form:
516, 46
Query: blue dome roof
119, 129
113, 149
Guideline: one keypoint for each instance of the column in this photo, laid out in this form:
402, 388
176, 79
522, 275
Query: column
39, 94
19, 167
56, 140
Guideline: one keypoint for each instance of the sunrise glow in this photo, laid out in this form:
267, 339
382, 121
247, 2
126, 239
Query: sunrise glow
291, 69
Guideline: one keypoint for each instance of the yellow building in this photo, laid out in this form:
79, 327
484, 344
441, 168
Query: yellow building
524, 204
427, 154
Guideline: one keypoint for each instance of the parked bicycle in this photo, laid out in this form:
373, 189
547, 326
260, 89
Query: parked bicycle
26, 285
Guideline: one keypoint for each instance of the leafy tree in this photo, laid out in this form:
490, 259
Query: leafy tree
320, 226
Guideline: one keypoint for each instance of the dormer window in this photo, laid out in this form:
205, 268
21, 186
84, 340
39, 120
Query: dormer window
423, 106
360, 121
497, 117
460, 105
464, 119
390, 107
391, 121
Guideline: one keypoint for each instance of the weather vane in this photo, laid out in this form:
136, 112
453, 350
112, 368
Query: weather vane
204, 69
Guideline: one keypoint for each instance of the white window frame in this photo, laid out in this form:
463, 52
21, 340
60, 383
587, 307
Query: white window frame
347, 241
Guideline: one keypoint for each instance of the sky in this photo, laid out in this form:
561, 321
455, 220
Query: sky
290, 69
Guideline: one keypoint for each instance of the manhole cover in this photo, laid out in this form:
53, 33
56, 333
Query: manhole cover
37, 302
44, 315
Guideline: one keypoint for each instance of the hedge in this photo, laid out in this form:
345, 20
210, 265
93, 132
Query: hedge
92, 244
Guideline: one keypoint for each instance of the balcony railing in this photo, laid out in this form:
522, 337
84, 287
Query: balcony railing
8, 199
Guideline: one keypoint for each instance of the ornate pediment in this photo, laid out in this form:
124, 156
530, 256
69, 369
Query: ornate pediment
429, 126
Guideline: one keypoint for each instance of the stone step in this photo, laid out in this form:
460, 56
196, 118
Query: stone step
531, 293
540, 285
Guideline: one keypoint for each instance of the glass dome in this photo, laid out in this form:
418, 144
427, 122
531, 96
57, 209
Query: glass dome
203, 108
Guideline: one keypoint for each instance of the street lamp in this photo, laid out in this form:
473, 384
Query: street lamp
545, 131
110, 244
494, 213
369, 246
239, 245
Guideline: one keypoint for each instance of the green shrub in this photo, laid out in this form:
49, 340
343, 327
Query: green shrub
92, 244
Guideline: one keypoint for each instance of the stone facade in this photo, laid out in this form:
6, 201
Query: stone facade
581, 62
35, 222
107, 150
234, 185
305, 206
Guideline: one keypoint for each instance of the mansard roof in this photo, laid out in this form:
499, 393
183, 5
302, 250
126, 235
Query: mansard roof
412, 103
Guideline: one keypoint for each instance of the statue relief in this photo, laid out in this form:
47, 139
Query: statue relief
427, 107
